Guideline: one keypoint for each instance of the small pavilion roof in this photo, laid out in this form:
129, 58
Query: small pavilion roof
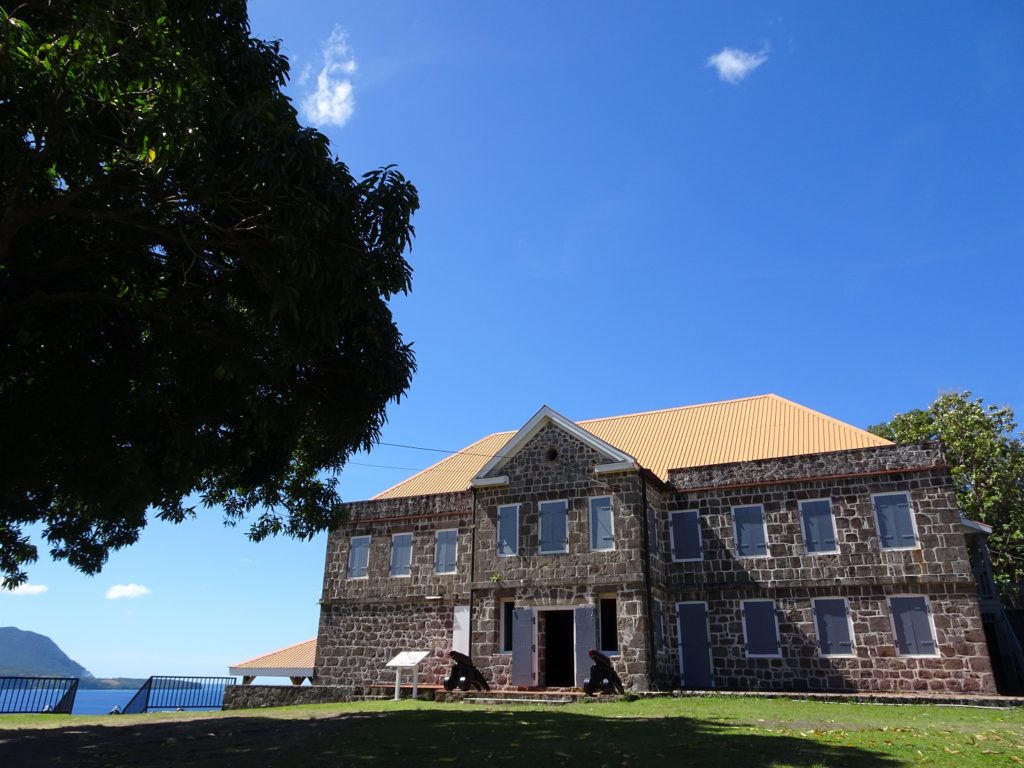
294, 661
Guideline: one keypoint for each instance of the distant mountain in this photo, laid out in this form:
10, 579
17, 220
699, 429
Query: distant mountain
31, 654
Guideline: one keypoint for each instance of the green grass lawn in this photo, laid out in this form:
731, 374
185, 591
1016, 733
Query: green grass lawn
714, 731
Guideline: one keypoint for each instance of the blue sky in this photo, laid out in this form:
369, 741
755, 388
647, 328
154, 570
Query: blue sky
626, 207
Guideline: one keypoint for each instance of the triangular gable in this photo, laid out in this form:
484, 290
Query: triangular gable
488, 476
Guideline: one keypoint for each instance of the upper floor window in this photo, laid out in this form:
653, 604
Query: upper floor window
602, 528
445, 550
751, 531
401, 554
652, 527
895, 521
761, 628
553, 529
508, 530
819, 526
912, 625
832, 622
659, 626
358, 557
685, 534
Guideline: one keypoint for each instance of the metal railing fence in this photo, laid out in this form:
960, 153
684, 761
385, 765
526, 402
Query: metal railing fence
37, 694
171, 692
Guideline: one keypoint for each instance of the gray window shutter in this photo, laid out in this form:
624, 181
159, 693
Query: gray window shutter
659, 626
508, 536
818, 526
401, 554
895, 524
552, 527
694, 647
601, 524
762, 629
586, 639
913, 628
444, 553
686, 536
833, 626
358, 556
547, 533
750, 539
523, 621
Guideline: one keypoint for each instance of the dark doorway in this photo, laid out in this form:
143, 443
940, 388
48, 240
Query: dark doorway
559, 659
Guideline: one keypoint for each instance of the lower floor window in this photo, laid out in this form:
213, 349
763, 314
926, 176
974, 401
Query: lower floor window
912, 625
761, 628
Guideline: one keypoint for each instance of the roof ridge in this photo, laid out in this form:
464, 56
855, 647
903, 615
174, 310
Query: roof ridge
681, 408
832, 419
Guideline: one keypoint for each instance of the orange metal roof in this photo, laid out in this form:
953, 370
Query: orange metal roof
761, 427
298, 656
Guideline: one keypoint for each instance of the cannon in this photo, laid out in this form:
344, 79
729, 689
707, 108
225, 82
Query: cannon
464, 674
603, 677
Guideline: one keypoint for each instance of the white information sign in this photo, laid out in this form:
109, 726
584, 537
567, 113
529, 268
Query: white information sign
407, 660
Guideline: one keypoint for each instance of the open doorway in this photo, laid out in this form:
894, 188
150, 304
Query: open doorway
558, 665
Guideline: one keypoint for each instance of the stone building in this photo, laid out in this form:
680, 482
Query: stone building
747, 544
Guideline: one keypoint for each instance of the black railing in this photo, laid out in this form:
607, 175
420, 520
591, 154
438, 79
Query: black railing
179, 693
37, 694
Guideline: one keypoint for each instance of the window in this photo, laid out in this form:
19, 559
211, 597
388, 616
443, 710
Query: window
895, 521
751, 533
358, 557
553, 533
602, 530
761, 628
819, 526
652, 526
912, 626
659, 626
401, 554
507, 606
832, 623
609, 628
685, 533
508, 530
445, 550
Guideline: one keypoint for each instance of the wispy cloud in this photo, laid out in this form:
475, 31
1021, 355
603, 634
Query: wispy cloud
332, 101
118, 591
28, 589
734, 64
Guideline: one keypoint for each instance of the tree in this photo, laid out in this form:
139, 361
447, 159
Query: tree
986, 460
193, 291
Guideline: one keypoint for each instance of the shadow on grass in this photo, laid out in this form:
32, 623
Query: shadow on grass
443, 736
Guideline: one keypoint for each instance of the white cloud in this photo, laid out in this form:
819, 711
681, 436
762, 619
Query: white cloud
29, 589
118, 591
734, 64
332, 102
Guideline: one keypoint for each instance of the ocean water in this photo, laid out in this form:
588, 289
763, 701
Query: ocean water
101, 702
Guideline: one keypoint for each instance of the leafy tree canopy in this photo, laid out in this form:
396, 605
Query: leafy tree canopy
987, 463
193, 291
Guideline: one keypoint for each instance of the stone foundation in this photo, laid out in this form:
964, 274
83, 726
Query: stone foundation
257, 696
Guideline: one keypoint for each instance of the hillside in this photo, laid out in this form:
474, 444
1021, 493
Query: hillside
31, 654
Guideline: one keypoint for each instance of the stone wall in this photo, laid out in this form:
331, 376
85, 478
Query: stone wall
257, 696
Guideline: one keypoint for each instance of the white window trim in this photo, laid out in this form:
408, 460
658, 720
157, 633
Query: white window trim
349, 558
803, 526
565, 548
849, 623
391, 559
437, 536
931, 624
497, 533
775, 617
913, 522
590, 519
736, 531
501, 623
672, 537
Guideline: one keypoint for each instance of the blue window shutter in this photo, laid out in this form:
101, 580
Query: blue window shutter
895, 521
401, 554
913, 628
553, 526
601, 536
508, 534
686, 535
444, 552
547, 533
358, 556
819, 528
832, 623
659, 626
762, 630
750, 541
